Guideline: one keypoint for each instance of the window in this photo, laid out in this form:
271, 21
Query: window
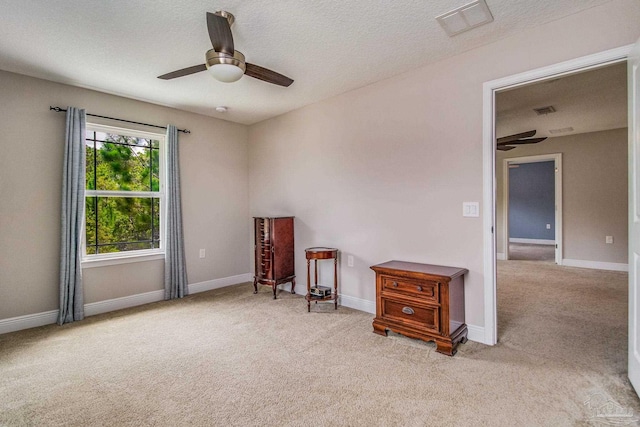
124, 193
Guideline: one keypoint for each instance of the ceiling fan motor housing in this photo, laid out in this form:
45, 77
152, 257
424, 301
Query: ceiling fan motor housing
214, 58
227, 15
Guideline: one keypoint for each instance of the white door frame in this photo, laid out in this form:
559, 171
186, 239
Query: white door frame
557, 160
489, 173
633, 71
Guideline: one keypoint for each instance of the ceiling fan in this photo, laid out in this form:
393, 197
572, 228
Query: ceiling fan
224, 62
509, 142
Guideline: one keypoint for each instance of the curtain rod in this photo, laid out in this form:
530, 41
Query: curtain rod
59, 110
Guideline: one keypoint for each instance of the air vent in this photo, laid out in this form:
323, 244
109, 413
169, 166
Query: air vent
464, 18
563, 130
544, 110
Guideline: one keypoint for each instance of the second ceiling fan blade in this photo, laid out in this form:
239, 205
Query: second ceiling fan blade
504, 148
220, 33
183, 72
509, 138
523, 141
267, 75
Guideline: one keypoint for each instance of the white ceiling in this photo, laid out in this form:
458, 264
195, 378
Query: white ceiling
590, 101
327, 46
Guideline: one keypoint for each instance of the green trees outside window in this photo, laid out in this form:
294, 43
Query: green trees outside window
115, 166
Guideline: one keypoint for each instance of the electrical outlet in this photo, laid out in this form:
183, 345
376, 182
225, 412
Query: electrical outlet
608, 239
202, 253
350, 261
548, 226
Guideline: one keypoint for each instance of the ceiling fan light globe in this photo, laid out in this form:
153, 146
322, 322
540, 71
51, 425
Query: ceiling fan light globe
226, 73
224, 67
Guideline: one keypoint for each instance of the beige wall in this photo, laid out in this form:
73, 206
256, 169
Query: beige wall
213, 159
594, 193
381, 172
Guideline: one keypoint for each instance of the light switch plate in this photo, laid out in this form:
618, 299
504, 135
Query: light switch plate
471, 209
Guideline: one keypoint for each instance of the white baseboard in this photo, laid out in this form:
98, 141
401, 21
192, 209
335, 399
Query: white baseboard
28, 321
358, 303
347, 301
194, 288
476, 333
114, 304
532, 241
597, 265
500, 256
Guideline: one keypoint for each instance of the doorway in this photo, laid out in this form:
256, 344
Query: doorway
532, 208
489, 165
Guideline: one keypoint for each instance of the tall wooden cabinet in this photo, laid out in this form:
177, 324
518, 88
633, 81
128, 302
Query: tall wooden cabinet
274, 252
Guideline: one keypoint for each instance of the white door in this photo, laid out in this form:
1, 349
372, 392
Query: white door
634, 215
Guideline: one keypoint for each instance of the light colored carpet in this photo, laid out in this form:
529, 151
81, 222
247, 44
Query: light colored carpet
228, 357
531, 252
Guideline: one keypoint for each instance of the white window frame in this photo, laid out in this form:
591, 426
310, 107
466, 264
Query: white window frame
100, 260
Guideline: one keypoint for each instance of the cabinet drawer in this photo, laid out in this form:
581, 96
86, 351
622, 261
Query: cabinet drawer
423, 317
425, 290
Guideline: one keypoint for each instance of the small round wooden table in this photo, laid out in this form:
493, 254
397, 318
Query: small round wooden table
316, 254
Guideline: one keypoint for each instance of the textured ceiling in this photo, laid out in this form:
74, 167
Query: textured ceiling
590, 101
326, 46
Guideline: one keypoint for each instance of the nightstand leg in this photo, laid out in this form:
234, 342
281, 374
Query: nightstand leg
274, 290
315, 272
335, 280
308, 286
293, 285
255, 285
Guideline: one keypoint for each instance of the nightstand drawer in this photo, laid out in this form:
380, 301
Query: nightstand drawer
425, 290
423, 317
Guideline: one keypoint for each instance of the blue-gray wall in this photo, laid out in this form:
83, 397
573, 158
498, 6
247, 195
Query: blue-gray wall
532, 201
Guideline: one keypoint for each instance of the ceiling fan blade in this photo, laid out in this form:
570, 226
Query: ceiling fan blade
508, 138
183, 72
266, 75
523, 141
220, 33
504, 148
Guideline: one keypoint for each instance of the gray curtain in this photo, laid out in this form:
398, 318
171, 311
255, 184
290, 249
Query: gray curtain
73, 185
175, 271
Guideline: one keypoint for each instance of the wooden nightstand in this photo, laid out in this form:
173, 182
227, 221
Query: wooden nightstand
421, 301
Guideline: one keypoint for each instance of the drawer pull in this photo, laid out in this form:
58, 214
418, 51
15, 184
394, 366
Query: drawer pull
395, 284
419, 288
407, 310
